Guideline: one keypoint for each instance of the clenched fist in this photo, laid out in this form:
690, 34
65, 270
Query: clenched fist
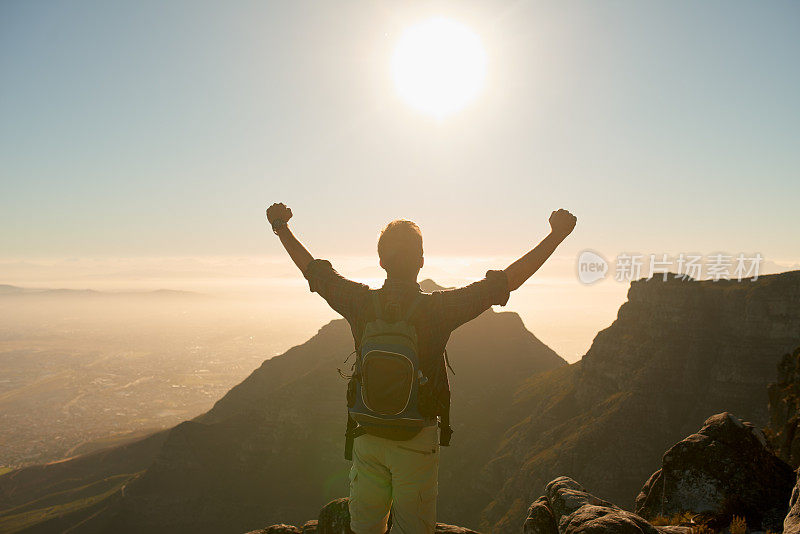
562, 222
278, 212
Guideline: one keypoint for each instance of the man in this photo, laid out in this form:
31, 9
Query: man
397, 468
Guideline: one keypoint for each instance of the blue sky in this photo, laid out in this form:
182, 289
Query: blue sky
165, 128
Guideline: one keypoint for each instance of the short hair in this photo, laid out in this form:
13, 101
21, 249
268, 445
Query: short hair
400, 246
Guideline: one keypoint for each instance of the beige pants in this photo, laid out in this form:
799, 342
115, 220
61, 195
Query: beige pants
401, 475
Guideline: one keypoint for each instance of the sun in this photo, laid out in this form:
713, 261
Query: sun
439, 66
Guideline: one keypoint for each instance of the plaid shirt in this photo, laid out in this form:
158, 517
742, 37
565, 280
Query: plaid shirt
438, 314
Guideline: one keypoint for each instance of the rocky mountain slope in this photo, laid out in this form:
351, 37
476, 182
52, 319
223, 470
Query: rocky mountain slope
678, 352
271, 450
784, 421
784, 409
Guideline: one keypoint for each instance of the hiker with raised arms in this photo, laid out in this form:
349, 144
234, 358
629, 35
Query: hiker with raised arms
398, 395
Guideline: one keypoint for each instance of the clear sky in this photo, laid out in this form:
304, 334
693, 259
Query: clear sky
155, 128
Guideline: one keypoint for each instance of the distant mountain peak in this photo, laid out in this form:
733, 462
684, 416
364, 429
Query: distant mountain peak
429, 286
9, 290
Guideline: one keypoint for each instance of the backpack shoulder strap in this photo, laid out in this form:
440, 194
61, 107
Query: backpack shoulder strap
376, 302
412, 307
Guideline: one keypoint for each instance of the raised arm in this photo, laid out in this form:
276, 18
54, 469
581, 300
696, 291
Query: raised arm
343, 295
278, 215
561, 224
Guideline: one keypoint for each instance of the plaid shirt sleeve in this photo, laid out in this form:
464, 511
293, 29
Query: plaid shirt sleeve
343, 295
461, 305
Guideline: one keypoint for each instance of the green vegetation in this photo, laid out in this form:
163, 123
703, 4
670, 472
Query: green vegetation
738, 525
686, 519
61, 503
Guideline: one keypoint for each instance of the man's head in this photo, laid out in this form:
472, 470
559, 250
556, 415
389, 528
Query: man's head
400, 249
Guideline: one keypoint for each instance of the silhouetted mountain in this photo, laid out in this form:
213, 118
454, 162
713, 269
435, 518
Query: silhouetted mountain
429, 286
678, 352
6, 289
271, 450
15, 291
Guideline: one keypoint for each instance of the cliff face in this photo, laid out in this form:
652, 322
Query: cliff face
784, 410
678, 352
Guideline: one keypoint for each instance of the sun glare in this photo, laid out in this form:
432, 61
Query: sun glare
439, 66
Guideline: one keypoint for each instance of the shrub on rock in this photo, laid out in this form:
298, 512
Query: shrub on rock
277, 529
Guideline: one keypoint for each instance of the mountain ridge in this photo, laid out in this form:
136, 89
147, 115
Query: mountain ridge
7, 290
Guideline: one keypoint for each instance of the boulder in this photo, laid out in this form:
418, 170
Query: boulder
277, 529
726, 469
567, 508
442, 528
540, 518
334, 518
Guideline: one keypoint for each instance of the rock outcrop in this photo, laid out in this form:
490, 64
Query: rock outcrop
567, 508
678, 352
334, 518
784, 410
726, 469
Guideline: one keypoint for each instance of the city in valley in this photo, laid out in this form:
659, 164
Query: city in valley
83, 370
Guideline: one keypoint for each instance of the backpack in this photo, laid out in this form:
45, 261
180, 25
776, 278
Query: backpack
387, 385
